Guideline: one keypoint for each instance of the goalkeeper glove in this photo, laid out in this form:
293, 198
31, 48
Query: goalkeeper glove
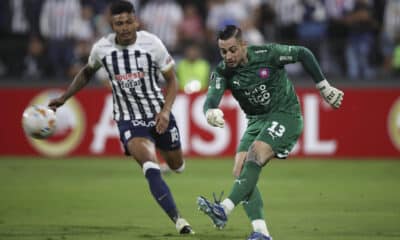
215, 117
330, 94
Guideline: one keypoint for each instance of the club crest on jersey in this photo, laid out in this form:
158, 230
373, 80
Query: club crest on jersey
263, 72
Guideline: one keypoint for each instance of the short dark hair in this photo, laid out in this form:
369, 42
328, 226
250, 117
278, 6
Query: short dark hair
118, 7
230, 31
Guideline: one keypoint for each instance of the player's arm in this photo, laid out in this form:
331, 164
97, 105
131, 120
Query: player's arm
289, 54
162, 118
216, 89
171, 89
166, 64
80, 80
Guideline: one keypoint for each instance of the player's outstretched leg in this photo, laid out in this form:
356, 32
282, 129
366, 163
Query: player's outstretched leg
214, 210
163, 196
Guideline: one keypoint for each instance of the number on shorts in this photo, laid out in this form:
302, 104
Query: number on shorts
276, 130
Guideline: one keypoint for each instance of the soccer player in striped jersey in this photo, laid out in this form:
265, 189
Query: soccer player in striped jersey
134, 61
257, 79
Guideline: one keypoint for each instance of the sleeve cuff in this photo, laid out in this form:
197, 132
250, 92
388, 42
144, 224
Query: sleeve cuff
323, 84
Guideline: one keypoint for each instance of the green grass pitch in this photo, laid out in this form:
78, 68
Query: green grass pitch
76, 199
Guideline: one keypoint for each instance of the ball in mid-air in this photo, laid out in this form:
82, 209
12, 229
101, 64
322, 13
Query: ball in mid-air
39, 121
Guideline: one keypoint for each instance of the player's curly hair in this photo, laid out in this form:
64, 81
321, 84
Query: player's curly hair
120, 6
230, 31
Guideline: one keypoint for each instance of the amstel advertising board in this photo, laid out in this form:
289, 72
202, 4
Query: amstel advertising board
367, 125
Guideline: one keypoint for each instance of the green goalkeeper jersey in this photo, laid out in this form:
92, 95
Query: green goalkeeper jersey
261, 86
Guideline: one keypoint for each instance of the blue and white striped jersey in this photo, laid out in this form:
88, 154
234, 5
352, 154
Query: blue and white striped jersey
134, 72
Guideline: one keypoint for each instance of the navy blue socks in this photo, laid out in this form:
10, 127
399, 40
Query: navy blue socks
160, 190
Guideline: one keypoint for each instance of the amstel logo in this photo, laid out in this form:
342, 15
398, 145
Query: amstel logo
70, 126
394, 124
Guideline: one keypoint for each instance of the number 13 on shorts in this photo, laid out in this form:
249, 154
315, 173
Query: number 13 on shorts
276, 129
281, 132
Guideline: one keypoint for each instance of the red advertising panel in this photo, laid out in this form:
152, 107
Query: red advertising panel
367, 125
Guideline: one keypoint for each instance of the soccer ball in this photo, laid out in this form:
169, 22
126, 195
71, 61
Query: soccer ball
39, 121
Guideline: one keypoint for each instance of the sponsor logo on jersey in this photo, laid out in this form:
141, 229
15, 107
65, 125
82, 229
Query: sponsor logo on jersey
394, 124
263, 72
259, 95
129, 76
130, 80
70, 126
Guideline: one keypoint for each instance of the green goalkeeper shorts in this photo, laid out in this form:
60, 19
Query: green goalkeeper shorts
279, 130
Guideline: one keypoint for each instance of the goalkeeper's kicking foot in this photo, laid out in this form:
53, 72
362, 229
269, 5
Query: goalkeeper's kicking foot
214, 210
183, 227
258, 236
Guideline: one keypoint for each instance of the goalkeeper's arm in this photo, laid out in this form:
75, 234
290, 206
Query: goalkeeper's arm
216, 89
330, 94
214, 115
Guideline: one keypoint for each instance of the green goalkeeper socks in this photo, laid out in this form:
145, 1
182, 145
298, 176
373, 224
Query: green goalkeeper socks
254, 206
245, 183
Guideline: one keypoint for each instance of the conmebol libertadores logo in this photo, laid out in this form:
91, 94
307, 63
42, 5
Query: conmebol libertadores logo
394, 124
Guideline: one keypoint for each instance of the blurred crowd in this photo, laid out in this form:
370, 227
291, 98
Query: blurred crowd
352, 39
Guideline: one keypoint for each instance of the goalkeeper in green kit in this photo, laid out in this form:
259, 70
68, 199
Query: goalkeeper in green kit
257, 79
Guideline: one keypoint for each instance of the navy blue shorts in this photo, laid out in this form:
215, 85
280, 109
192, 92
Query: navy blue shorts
168, 141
